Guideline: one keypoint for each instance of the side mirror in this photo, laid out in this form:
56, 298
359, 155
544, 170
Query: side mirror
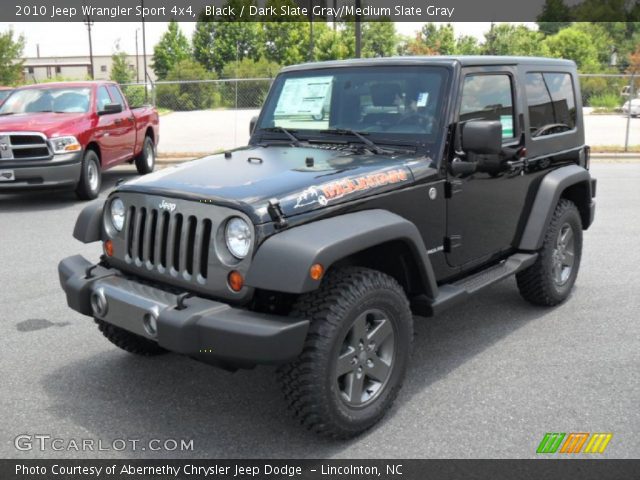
111, 108
252, 124
483, 137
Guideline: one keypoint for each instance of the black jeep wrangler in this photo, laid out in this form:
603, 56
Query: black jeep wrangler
371, 191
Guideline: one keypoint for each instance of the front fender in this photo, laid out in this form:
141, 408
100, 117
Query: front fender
283, 261
88, 227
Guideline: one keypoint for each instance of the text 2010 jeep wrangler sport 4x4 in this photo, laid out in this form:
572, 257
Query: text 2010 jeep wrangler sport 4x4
371, 190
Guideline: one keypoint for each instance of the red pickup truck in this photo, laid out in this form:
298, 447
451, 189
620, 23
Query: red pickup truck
66, 134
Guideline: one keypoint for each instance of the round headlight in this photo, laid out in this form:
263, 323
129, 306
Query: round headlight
237, 234
117, 214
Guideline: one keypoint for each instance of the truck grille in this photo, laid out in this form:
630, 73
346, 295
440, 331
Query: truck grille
28, 146
170, 243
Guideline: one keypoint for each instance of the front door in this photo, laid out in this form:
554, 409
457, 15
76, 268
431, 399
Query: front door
483, 209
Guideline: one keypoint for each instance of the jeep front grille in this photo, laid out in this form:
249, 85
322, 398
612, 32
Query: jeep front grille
170, 243
24, 146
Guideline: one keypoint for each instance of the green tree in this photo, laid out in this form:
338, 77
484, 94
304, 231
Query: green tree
189, 96
435, 40
248, 93
554, 17
10, 58
220, 40
328, 44
574, 44
120, 71
467, 45
509, 39
286, 40
379, 39
172, 48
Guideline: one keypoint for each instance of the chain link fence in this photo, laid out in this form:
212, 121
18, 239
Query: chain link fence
211, 115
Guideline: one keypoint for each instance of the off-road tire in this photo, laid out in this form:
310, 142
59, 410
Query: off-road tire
128, 341
536, 283
88, 187
146, 160
309, 383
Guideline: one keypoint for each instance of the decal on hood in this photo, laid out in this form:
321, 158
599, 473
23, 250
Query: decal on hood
324, 193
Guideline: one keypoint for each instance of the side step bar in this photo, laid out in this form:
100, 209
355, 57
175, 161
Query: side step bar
452, 293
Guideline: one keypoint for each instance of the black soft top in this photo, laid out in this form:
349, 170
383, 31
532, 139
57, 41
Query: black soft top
462, 60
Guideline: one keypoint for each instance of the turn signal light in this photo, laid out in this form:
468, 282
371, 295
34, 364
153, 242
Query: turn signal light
236, 281
108, 248
74, 147
316, 271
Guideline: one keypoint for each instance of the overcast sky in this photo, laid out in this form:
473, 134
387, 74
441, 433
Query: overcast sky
66, 39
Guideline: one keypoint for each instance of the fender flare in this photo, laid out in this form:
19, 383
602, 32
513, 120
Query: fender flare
88, 227
282, 261
549, 192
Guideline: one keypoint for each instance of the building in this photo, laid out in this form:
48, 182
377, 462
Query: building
38, 69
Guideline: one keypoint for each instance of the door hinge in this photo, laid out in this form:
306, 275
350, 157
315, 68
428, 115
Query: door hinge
451, 187
451, 242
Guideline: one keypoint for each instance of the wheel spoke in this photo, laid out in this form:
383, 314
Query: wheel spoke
568, 258
381, 332
566, 236
557, 271
345, 364
379, 370
355, 388
359, 330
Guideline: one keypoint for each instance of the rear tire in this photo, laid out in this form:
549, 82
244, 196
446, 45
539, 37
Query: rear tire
128, 341
550, 279
146, 159
88, 187
356, 352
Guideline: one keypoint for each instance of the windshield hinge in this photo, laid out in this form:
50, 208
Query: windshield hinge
275, 212
451, 187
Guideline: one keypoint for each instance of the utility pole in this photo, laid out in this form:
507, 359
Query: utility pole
89, 23
137, 59
358, 32
144, 52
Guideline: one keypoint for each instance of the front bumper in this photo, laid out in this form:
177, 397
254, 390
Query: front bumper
60, 171
211, 331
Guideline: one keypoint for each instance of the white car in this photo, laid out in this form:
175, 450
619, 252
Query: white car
635, 107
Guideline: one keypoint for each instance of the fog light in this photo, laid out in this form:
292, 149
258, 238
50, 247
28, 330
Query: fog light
150, 323
99, 304
316, 271
108, 248
236, 281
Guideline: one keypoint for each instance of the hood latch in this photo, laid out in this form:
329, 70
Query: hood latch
275, 212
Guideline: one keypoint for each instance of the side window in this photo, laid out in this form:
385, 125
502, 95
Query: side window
551, 103
117, 97
103, 98
488, 97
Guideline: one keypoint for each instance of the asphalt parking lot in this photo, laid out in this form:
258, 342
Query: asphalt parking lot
487, 379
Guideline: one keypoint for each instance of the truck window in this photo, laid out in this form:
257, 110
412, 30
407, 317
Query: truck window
116, 95
488, 97
551, 103
42, 99
103, 99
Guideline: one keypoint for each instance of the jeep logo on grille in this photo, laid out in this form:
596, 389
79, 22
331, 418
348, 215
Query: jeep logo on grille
164, 205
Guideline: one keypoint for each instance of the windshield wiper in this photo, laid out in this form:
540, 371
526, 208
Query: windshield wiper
7, 113
294, 140
347, 131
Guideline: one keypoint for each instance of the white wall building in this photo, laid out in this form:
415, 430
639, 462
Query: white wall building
38, 69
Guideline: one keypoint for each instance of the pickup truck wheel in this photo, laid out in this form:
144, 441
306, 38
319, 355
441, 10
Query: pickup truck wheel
549, 281
146, 159
355, 355
88, 187
128, 341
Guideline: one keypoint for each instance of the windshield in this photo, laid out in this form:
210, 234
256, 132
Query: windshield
4, 94
390, 104
59, 100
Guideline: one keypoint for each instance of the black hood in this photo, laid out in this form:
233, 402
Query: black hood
252, 176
